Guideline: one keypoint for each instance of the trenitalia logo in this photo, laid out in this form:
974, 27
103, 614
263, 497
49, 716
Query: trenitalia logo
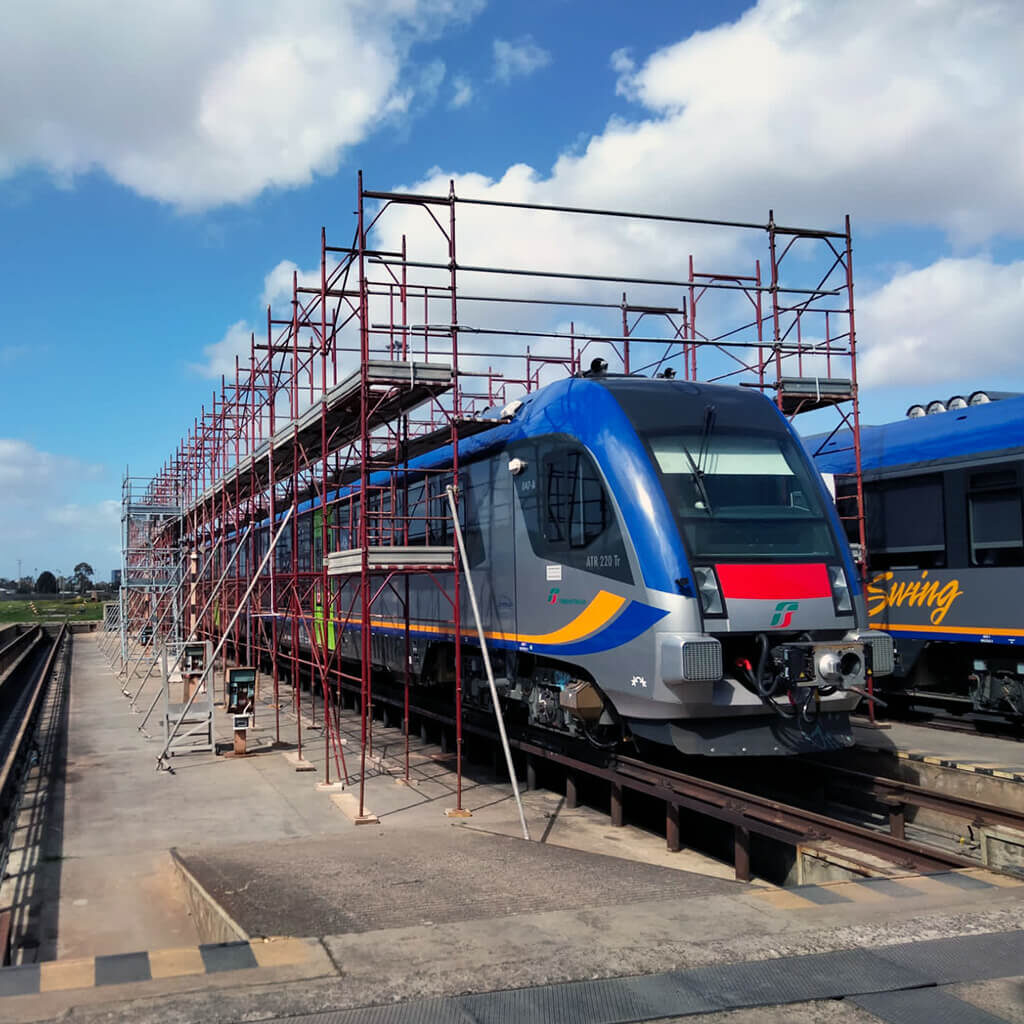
784, 614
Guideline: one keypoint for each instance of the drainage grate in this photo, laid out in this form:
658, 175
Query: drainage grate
923, 1006
906, 973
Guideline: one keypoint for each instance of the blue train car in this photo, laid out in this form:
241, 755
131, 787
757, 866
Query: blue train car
655, 559
944, 511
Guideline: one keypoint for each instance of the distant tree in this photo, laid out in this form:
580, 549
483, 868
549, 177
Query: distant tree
83, 577
47, 583
25, 585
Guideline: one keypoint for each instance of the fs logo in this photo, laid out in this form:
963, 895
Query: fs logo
784, 614
553, 596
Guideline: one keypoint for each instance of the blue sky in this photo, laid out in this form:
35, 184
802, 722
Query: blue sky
156, 166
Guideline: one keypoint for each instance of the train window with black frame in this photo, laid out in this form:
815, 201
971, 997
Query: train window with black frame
262, 543
476, 493
318, 540
994, 517
905, 521
283, 551
416, 513
304, 552
438, 531
567, 510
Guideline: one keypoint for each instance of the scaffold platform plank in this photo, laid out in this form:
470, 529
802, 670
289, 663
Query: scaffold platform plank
379, 557
396, 388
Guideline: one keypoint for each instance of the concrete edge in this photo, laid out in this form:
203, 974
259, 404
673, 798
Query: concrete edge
212, 922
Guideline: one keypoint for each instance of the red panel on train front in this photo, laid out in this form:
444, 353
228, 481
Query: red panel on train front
774, 582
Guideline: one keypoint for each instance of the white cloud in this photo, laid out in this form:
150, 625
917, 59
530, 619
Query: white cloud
903, 113
624, 66
277, 285
463, 92
204, 103
220, 356
46, 519
518, 59
957, 321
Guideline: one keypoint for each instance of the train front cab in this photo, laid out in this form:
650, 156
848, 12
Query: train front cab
767, 561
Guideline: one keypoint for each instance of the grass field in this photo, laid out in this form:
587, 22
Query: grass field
50, 611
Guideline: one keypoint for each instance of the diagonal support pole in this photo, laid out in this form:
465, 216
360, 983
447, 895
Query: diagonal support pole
499, 718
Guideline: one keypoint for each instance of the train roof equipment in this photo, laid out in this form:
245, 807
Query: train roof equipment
994, 428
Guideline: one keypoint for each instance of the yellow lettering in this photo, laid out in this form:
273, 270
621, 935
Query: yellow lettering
878, 598
944, 599
885, 592
926, 595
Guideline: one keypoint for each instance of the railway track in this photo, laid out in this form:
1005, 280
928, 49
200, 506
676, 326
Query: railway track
27, 666
748, 813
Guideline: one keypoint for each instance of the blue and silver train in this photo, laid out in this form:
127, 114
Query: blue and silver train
655, 560
944, 510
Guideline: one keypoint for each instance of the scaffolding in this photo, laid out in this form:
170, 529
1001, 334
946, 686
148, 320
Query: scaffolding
411, 342
150, 610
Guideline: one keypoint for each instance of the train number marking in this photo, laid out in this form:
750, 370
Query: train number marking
603, 561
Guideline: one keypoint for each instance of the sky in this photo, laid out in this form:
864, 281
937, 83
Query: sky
164, 167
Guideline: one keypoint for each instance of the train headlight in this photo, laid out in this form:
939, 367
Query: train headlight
840, 590
707, 587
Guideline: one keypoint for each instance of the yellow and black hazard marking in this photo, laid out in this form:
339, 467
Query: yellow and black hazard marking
877, 890
994, 770
123, 968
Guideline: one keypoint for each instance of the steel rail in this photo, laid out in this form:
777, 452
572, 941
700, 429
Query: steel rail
748, 813
12, 651
898, 793
9, 777
23, 731
755, 811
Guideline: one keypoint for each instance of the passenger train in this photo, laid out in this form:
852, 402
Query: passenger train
655, 560
944, 511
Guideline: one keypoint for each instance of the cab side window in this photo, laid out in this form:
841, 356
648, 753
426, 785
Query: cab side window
567, 510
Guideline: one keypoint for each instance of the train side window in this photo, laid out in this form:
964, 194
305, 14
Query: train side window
304, 541
476, 495
283, 550
995, 524
905, 522
575, 505
567, 512
415, 513
438, 531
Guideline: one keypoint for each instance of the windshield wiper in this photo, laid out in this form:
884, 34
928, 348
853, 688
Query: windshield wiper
710, 415
698, 479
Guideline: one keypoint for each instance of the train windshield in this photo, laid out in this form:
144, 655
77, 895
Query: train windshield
742, 495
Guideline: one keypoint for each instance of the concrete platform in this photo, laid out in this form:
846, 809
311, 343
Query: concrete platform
417, 913
396, 878
979, 754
